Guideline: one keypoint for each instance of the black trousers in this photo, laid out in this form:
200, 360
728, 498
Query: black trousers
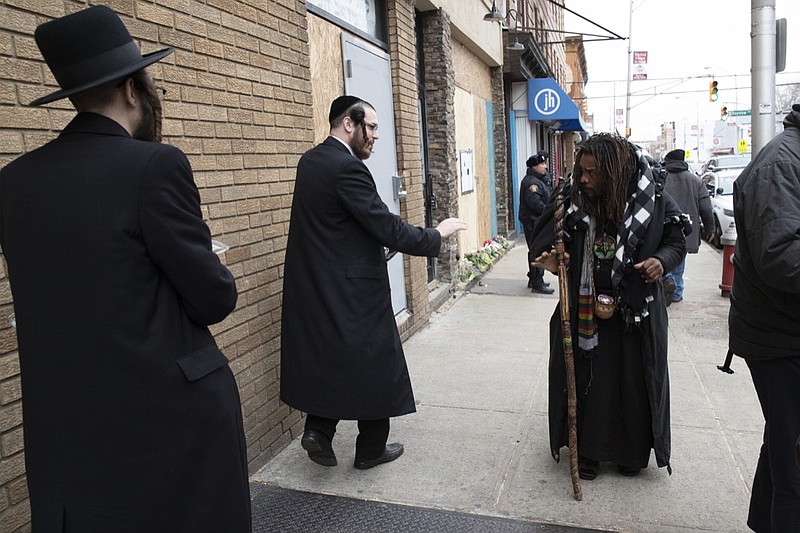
372, 434
535, 275
775, 501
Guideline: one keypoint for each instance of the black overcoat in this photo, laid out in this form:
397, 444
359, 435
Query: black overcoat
663, 240
341, 355
131, 414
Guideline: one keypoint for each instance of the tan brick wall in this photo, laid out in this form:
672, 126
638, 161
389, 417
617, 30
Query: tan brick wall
238, 103
403, 60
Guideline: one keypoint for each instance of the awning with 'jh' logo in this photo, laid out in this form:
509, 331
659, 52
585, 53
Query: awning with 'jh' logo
548, 103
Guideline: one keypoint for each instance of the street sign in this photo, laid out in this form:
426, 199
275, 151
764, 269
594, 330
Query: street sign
740, 113
639, 66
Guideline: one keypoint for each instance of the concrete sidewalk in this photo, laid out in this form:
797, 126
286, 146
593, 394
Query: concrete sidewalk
479, 442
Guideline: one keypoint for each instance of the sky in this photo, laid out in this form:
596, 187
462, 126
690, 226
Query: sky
687, 42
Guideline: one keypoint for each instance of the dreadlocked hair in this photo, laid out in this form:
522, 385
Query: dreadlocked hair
618, 166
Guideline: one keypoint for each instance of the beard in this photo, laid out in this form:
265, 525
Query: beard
362, 145
149, 126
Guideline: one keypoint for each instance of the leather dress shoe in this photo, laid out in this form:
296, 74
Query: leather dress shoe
530, 284
390, 453
319, 448
542, 289
629, 471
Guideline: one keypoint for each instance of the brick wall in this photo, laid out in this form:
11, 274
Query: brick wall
403, 60
238, 104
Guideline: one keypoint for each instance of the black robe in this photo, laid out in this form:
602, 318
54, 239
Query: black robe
623, 394
341, 355
131, 414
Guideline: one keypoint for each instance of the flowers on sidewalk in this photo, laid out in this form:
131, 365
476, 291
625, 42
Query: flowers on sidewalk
475, 264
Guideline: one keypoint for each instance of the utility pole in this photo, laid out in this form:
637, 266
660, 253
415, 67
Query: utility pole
762, 51
630, 61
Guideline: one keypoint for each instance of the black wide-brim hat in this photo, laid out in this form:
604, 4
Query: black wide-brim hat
87, 49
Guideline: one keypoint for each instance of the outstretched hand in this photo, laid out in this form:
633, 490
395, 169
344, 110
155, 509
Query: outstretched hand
449, 226
650, 269
549, 261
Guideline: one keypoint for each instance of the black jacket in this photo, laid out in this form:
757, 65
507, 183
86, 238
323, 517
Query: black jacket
132, 415
534, 192
764, 317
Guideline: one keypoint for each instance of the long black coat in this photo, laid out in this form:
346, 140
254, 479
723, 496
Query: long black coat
131, 414
664, 241
341, 355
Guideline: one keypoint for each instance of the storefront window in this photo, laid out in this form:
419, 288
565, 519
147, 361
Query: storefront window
364, 15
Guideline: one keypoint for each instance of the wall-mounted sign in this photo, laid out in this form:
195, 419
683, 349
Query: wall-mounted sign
467, 169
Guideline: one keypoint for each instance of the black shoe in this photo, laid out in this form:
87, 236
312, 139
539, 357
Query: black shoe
542, 289
318, 447
628, 471
587, 468
390, 453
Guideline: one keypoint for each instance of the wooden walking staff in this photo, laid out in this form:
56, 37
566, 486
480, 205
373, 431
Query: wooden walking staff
569, 356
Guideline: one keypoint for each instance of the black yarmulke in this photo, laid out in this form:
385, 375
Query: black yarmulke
340, 105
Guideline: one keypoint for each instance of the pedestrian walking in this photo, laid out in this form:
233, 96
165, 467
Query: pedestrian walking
132, 416
764, 322
341, 355
535, 190
692, 198
621, 235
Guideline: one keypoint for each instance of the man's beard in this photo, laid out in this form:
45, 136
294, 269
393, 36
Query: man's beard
362, 147
149, 127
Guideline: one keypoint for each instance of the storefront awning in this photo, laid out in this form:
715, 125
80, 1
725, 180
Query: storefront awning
548, 103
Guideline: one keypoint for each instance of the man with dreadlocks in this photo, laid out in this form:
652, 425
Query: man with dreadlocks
621, 233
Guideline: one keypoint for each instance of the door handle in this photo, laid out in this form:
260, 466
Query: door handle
397, 188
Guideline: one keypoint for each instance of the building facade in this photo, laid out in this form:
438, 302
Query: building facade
537, 76
248, 90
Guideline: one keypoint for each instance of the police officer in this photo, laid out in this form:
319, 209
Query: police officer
534, 193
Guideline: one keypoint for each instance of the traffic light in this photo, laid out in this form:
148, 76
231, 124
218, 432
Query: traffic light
723, 113
712, 91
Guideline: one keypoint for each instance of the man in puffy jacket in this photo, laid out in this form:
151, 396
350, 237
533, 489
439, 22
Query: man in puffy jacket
764, 322
692, 197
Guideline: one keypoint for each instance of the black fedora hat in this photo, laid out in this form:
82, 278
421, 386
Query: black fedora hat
87, 49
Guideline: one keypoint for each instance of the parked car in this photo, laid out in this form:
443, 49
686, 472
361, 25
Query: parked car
696, 168
721, 162
719, 173
720, 188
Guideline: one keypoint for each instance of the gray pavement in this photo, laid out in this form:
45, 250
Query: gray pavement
478, 442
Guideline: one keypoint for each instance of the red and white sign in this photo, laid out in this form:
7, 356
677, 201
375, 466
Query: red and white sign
619, 118
639, 66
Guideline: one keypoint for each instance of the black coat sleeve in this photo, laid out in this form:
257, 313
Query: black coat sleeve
356, 190
672, 247
178, 239
544, 236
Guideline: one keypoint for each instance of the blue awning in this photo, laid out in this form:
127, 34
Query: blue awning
548, 103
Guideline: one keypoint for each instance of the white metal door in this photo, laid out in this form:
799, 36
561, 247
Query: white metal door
369, 77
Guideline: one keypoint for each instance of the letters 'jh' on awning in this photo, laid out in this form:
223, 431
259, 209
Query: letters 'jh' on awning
547, 102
